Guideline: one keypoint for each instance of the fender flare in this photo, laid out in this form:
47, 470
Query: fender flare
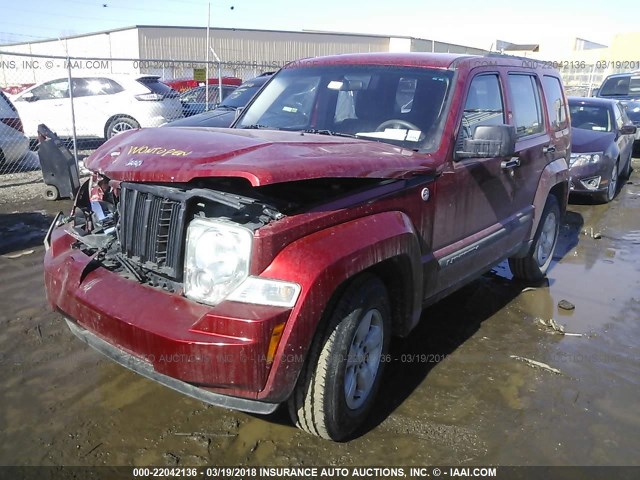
323, 262
554, 175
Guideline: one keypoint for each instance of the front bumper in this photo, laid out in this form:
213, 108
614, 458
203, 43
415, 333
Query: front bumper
581, 173
146, 370
216, 354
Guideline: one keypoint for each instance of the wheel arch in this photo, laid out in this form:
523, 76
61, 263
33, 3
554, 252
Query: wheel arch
389, 250
554, 180
113, 117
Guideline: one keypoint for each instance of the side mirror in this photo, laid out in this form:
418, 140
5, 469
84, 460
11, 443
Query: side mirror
490, 141
628, 130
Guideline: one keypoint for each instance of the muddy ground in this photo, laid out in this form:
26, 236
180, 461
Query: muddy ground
459, 396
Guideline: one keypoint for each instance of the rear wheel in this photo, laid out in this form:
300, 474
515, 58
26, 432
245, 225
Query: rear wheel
119, 125
341, 377
534, 266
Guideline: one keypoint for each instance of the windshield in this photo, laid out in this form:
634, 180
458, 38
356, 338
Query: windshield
241, 95
399, 105
621, 86
591, 117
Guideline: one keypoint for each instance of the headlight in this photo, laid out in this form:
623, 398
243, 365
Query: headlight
584, 158
216, 259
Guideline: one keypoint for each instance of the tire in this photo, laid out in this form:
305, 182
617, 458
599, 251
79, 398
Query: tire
119, 125
534, 266
51, 193
612, 187
326, 400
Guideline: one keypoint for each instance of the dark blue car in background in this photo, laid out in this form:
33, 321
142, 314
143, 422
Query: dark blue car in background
194, 100
225, 113
602, 138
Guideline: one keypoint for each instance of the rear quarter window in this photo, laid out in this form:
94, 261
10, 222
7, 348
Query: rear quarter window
556, 107
527, 107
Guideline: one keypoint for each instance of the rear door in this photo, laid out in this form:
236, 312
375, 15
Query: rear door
535, 146
93, 104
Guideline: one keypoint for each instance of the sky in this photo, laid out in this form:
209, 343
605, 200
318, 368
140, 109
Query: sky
466, 22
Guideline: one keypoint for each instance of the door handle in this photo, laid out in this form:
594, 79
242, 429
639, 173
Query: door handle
549, 149
513, 163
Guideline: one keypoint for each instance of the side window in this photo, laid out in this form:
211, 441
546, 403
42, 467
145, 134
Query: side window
527, 108
88, 87
195, 95
80, 87
52, 90
113, 86
555, 103
483, 106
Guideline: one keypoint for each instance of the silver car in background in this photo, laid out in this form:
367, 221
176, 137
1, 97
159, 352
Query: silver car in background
14, 145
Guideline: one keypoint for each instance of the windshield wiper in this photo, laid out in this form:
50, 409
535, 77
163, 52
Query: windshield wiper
328, 132
228, 107
257, 126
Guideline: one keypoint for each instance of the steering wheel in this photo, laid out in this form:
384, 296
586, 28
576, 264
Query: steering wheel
396, 123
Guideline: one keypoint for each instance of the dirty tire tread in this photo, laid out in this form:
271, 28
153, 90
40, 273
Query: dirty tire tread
307, 403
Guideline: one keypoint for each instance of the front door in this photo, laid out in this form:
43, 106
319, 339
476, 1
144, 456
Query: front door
481, 210
47, 103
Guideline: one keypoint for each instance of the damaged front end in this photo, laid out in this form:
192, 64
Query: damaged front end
154, 277
142, 232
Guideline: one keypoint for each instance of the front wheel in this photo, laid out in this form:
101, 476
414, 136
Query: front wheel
612, 188
341, 377
534, 266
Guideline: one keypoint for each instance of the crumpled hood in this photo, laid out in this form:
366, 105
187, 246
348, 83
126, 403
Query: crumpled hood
261, 156
587, 141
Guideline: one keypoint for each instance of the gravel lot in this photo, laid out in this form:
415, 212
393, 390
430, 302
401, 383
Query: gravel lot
458, 391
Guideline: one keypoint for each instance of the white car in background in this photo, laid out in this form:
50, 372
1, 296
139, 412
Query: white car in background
14, 145
104, 105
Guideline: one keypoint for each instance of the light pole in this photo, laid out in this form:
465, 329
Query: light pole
215, 55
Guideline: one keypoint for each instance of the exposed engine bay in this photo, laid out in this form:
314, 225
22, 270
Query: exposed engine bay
138, 230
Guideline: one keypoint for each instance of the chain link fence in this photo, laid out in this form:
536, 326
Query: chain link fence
88, 100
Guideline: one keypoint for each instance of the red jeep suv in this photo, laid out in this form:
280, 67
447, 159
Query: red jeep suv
272, 262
